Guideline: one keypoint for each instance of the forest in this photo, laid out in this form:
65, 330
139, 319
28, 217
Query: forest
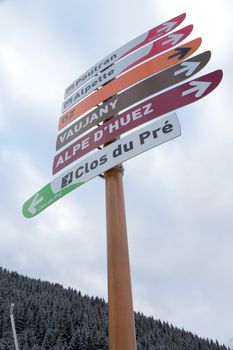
50, 317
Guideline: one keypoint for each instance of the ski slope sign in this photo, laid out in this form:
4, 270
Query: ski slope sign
155, 65
151, 85
132, 87
148, 110
126, 63
124, 50
152, 135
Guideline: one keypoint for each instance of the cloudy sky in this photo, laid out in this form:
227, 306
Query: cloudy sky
178, 196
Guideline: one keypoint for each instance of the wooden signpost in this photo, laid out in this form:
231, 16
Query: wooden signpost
87, 103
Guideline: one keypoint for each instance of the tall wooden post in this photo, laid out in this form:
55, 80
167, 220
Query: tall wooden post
120, 303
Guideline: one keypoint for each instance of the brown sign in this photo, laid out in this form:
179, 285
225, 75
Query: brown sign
150, 86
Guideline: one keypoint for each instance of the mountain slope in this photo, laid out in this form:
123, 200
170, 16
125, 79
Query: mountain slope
50, 317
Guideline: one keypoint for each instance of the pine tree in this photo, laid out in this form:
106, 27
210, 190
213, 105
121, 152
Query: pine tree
49, 317
76, 342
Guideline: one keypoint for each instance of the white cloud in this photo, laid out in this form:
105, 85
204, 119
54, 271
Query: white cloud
178, 196
62, 244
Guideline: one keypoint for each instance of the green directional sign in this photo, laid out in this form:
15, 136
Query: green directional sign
44, 198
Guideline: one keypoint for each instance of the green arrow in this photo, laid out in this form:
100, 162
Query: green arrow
44, 198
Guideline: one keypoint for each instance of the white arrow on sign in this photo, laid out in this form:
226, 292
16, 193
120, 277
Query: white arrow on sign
36, 200
173, 39
167, 27
199, 87
189, 68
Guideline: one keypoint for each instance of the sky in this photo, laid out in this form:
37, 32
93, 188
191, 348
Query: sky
178, 196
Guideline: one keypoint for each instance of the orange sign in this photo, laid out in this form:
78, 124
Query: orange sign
141, 72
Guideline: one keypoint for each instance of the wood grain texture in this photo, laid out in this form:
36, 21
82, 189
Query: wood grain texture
120, 304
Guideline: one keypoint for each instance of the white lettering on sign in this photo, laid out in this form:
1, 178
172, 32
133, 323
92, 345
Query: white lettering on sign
141, 140
90, 117
102, 135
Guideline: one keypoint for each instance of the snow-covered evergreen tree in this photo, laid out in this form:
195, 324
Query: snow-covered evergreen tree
49, 317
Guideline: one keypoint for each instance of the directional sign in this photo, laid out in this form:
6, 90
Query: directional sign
140, 141
151, 85
148, 110
133, 76
124, 50
130, 61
